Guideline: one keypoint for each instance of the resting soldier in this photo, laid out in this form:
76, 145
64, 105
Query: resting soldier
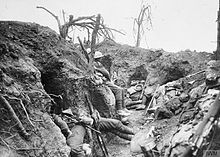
117, 91
75, 135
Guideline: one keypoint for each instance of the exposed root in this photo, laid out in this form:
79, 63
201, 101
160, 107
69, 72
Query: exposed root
37, 120
6, 132
21, 128
5, 143
22, 105
12, 127
57, 96
27, 149
41, 94
12, 136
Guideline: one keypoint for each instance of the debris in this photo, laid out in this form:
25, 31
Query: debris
162, 113
147, 141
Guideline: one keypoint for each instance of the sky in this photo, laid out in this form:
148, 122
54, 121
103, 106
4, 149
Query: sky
177, 24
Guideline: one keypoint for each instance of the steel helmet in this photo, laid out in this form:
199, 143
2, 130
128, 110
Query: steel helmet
67, 112
88, 50
98, 54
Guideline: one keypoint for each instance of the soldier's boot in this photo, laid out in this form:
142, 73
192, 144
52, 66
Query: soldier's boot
119, 108
119, 105
123, 103
123, 135
126, 130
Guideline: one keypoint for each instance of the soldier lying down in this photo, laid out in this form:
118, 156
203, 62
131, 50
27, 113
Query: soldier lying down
75, 135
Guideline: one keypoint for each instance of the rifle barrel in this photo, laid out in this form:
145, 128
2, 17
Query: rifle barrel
212, 113
99, 137
85, 125
204, 127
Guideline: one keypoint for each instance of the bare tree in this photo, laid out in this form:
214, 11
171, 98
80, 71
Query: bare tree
141, 23
85, 22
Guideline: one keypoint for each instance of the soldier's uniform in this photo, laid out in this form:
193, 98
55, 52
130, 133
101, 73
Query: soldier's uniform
75, 136
117, 91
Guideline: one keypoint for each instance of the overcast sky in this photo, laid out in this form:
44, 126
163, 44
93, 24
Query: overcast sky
177, 24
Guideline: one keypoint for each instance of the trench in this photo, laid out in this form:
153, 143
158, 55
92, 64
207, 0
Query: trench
54, 85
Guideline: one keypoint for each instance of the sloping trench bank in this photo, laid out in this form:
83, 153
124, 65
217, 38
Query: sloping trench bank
40, 73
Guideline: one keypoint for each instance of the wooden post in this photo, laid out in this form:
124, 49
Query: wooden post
218, 35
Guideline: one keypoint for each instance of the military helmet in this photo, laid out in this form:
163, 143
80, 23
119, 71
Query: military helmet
88, 50
98, 54
67, 112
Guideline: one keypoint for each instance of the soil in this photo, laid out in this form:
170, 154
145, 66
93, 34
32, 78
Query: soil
121, 147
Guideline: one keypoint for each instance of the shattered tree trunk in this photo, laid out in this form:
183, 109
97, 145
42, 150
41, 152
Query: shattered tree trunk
93, 43
139, 23
138, 36
144, 13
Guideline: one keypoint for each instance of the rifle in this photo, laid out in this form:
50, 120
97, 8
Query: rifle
77, 121
99, 137
204, 129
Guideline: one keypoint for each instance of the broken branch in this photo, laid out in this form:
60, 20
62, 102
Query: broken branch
88, 22
56, 17
82, 18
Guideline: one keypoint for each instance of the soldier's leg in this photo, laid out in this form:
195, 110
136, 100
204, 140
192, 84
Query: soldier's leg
108, 124
118, 92
122, 135
75, 141
74, 137
132, 103
62, 125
